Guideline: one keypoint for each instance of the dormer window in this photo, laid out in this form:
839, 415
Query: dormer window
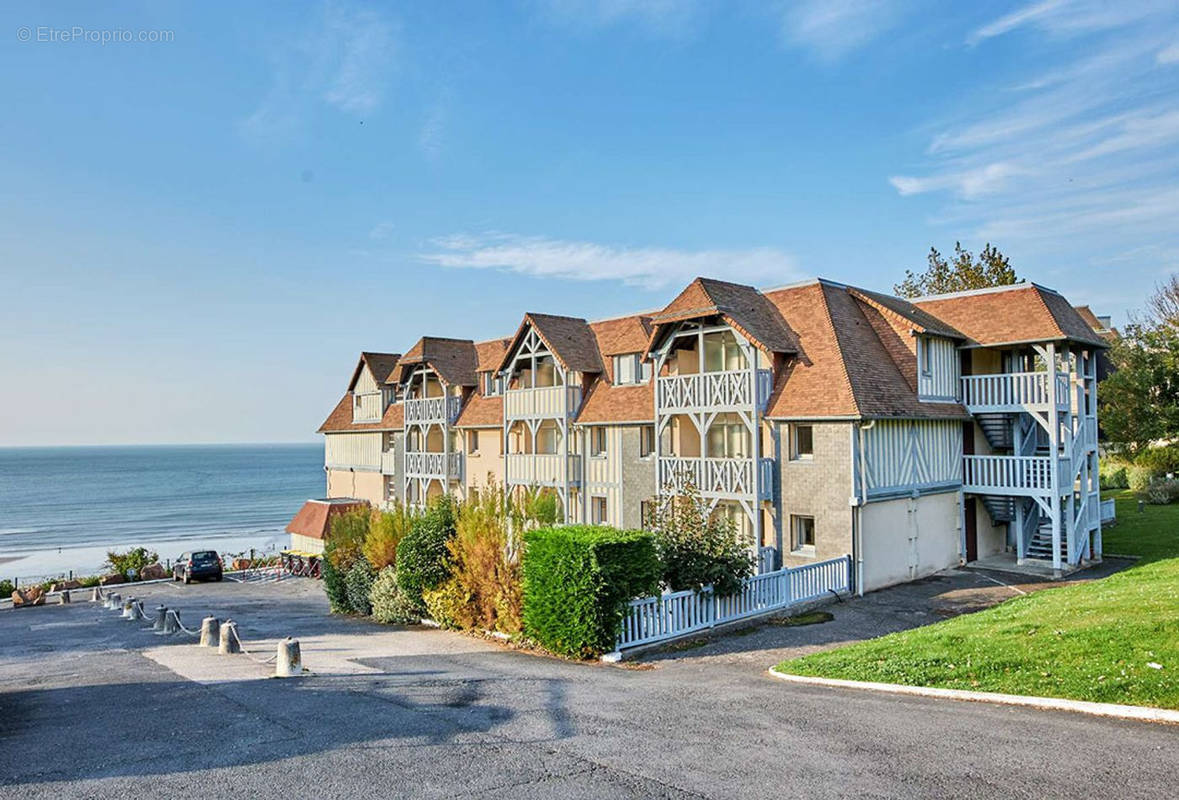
493, 384
926, 356
630, 369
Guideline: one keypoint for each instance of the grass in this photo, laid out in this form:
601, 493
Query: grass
1114, 640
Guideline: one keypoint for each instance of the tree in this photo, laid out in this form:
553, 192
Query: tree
991, 268
698, 549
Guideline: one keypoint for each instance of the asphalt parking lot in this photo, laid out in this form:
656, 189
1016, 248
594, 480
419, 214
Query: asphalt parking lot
95, 706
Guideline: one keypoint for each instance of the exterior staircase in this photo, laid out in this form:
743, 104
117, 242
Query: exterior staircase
1000, 507
1040, 545
997, 428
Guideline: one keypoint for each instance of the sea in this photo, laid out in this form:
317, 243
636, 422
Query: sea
63, 508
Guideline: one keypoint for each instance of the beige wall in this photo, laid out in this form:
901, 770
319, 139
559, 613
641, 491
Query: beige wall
486, 465
909, 538
356, 483
306, 544
818, 487
353, 449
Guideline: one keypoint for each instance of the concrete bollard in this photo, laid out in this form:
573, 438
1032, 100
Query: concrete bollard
161, 613
129, 608
229, 643
116, 602
210, 632
95, 595
289, 662
136, 610
171, 621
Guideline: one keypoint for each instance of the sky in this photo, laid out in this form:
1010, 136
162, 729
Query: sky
207, 210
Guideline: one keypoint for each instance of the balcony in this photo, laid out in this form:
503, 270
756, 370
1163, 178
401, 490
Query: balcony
432, 410
712, 390
545, 402
443, 466
1010, 475
543, 469
367, 407
1011, 392
714, 477
388, 462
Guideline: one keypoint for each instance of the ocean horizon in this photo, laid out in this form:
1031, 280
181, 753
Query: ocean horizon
62, 507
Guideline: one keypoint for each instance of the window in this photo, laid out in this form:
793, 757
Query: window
631, 369
598, 510
804, 442
492, 384
546, 438
926, 356
472, 442
597, 442
646, 440
728, 437
802, 534
722, 352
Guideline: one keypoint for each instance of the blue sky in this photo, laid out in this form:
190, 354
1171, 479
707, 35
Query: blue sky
198, 235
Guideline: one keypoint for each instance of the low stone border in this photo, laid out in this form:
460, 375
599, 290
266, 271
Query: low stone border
1140, 713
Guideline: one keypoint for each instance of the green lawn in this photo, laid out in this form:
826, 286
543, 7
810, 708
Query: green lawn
1092, 641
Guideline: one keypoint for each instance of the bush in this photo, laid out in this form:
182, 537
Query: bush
6, 588
1163, 492
1113, 475
335, 588
1139, 477
358, 582
135, 559
1159, 460
449, 605
345, 542
87, 581
484, 564
385, 531
697, 550
577, 581
388, 603
423, 562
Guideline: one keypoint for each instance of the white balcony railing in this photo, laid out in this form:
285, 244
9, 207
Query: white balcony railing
388, 462
1012, 391
709, 390
714, 477
765, 479
1025, 475
543, 469
434, 465
432, 410
367, 407
549, 402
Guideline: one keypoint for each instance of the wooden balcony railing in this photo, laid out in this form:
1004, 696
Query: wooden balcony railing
388, 462
713, 477
434, 465
1024, 475
546, 402
710, 390
543, 469
1012, 391
432, 410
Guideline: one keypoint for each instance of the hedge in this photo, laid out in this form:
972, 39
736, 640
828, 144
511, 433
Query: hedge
423, 562
577, 582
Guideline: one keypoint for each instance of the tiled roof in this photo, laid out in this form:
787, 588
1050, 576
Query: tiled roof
743, 307
842, 368
921, 321
340, 420
489, 354
622, 334
605, 402
379, 365
453, 359
1015, 314
1086, 313
481, 412
314, 518
569, 339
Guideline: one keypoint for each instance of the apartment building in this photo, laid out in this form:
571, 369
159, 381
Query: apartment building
821, 418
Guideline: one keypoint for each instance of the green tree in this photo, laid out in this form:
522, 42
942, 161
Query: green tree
697, 549
963, 272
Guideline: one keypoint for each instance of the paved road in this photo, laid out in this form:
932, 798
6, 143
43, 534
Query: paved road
93, 706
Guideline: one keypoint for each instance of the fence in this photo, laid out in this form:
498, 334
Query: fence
653, 619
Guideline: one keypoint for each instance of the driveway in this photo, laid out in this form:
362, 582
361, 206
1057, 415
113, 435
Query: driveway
94, 706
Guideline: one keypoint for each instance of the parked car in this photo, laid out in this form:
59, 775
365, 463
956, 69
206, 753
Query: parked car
197, 565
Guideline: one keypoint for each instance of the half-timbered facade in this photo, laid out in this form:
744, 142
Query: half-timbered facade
821, 418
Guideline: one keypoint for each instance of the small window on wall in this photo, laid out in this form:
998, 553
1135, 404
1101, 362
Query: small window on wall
598, 510
631, 369
803, 446
472, 442
598, 442
802, 534
926, 356
646, 440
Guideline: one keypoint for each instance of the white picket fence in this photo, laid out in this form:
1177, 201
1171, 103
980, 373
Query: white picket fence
654, 619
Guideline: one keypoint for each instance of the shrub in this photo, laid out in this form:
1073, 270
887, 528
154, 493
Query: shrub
1113, 475
335, 588
696, 549
87, 581
385, 531
134, 559
345, 542
577, 581
1138, 477
1163, 492
449, 605
1159, 460
539, 506
484, 563
388, 602
423, 562
358, 582
6, 588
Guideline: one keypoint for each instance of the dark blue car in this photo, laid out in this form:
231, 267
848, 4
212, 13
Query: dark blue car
197, 565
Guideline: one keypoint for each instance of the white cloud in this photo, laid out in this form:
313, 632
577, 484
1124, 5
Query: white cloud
1169, 55
833, 28
342, 59
648, 267
381, 231
969, 183
1015, 19
1069, 17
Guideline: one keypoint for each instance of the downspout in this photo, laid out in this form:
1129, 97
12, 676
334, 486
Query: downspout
861, 499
